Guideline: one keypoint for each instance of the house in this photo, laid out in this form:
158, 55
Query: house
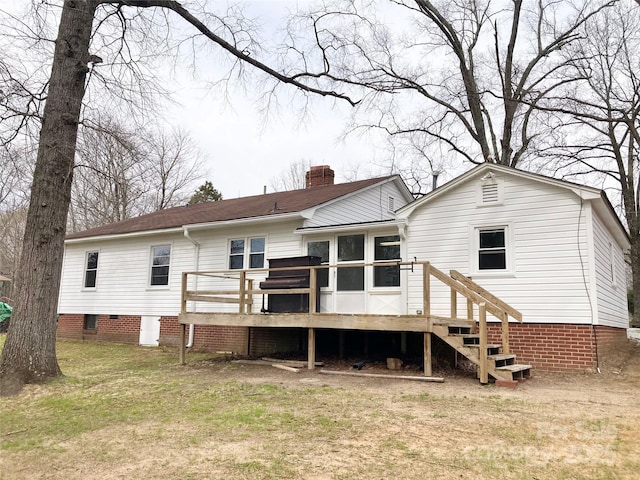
540, 250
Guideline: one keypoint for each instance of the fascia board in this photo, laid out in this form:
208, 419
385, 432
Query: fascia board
350, 227
119, 236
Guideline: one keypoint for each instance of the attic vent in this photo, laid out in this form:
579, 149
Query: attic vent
391, 203
490, 193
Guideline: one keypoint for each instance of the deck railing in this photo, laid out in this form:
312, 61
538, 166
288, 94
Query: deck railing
473, 295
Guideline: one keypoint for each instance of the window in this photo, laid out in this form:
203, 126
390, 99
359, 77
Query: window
91, 271
386, 248
160, 257
320, 249
350, 249
236, 255
256, 253
492, 251
91, 322
237, 252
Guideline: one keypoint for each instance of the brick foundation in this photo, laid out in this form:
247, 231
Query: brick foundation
547, 347
207, 338
126, 329
118, 329
557, 347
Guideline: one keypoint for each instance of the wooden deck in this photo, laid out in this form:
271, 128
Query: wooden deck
456, 331
339, 321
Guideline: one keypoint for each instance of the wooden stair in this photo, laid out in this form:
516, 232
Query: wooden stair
500, 366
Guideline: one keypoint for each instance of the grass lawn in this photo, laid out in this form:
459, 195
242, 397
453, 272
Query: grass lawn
124, 411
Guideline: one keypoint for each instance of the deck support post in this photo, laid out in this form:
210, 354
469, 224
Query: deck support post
183, 345
242, 291
341, 344
426, 289
474, 328
427, 354
484, 361
505, 333
454, 304
311, 349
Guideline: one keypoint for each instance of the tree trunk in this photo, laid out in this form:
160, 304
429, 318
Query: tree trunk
29, 353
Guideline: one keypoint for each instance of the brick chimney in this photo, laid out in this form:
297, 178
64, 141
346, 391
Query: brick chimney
319, 175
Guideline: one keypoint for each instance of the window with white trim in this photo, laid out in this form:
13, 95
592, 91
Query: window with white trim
492, 249
350, 250
91, 270
160, 259
386, 248
320, 249
240, 255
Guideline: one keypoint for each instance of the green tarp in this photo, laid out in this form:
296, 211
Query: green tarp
5, 311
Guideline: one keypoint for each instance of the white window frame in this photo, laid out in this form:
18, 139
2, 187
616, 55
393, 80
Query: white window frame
474, 241
86, 269
347, 263
246, 253
150, 274
332, 245
263, 252
372, 259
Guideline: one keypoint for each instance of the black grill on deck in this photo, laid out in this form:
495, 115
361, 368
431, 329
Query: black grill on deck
290, 303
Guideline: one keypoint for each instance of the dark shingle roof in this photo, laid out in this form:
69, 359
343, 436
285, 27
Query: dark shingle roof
225, 210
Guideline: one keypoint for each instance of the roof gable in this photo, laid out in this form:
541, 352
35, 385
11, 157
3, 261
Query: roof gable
293, 202
596, 196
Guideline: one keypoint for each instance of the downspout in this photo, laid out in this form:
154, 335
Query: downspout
590, 284
196, 264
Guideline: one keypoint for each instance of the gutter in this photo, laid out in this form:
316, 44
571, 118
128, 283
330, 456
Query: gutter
196, 265
118, 236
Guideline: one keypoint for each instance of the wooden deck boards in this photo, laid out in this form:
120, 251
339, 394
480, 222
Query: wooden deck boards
391, 323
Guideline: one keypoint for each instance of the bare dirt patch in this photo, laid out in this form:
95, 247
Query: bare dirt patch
217, 419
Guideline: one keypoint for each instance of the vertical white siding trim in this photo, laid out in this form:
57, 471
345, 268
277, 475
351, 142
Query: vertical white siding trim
589, 275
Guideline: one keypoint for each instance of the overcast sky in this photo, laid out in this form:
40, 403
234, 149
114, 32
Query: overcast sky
244, 153
245, 149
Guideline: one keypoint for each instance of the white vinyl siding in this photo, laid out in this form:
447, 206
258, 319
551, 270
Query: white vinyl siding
214, 255
124, 278
372, 205
612, 291
546, 284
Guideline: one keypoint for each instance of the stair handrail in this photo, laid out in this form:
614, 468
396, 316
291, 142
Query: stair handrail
470, 284
462, 289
